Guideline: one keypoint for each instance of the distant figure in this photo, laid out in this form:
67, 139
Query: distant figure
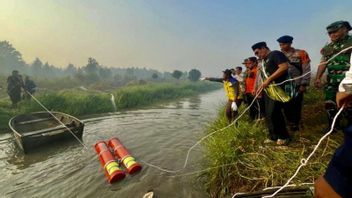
30, 87
14, 84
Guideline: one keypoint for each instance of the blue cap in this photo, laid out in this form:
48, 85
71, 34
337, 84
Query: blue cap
259, 45
285, 39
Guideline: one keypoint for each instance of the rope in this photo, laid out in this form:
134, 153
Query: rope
84, 146
212, 133
305, 161
202, 139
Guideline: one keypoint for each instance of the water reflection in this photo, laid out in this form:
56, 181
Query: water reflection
194, 102
22, 161
160, 135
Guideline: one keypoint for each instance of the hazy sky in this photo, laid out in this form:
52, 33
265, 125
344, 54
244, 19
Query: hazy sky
163, 34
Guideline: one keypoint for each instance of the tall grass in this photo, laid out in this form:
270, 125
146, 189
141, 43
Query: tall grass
78, 102
245, 163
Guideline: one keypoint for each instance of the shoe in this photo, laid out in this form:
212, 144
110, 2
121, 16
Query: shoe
281, 142
268, 141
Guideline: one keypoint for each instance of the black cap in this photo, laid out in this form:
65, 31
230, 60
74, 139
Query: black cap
227, 71
337, 25
285, 39
253, 59
258, 45
245, 61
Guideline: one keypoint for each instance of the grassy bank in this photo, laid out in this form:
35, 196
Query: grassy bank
79, 102
247, 164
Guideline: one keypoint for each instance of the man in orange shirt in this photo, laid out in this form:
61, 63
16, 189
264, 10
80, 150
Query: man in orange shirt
257, 109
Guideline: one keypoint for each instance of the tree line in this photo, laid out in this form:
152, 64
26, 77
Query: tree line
11, 59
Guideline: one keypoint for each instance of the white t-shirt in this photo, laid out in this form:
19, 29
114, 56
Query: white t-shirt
346, 83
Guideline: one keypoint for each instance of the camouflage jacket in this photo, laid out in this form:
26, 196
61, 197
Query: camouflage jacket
338, 66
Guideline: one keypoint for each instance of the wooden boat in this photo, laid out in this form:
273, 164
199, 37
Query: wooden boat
289, 192
40, 128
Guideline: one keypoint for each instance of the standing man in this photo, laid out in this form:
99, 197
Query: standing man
231, 87
256, 109
299, 64
237, 74
14, 85
337, 67
275, 67
29, 86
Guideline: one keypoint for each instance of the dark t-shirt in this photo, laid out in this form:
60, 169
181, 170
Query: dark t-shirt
272, 62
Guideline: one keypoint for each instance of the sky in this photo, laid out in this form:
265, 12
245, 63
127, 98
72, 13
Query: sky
164, 34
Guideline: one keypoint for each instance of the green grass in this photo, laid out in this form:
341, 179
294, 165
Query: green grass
247, 164
78, 102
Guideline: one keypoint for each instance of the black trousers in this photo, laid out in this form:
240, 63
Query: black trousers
257, 109
293, 110
230, 114
275, 119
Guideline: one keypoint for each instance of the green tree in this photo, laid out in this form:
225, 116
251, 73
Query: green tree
155, 76
70, 70
194, 75
105, 73
177, 74
92, 66
36, 67
10, 58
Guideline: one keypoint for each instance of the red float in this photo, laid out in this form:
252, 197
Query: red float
122, 153
107, 160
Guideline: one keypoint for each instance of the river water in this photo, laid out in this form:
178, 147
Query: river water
160, 134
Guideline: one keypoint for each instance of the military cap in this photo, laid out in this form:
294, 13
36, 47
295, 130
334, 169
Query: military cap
259, 45
285, 39
337, 25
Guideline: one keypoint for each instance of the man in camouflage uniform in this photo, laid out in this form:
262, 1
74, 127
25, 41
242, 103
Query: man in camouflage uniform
14, 85
338, 66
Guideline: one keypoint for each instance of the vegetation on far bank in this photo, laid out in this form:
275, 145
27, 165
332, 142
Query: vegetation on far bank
246, 164
80, 102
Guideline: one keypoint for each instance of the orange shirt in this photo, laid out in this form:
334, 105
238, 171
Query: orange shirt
250, 80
